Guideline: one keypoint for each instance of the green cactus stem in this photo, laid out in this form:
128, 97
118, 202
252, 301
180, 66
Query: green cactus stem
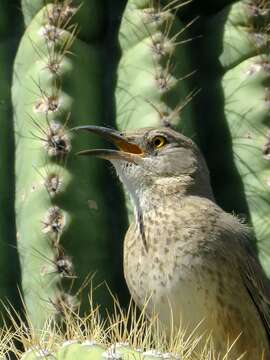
61, 202
151, 88
92, 350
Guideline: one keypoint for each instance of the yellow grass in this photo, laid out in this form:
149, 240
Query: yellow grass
129, 326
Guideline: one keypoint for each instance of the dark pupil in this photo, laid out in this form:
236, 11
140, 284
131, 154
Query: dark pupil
157, 142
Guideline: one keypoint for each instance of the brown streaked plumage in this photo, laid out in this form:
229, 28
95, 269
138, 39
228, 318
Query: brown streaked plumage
192, 258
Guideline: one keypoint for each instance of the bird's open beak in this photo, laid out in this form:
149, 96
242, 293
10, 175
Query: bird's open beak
128, 150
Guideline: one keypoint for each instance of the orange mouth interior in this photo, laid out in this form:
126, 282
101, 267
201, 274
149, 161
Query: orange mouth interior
128, 147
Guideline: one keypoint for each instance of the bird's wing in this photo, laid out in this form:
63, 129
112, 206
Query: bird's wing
252, 273
256, 283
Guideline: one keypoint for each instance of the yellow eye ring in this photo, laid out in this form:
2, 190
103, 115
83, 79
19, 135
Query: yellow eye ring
159, 141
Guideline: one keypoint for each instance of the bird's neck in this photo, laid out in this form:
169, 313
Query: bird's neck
163, 190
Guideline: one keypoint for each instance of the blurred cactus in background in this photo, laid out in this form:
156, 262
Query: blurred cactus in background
202, 67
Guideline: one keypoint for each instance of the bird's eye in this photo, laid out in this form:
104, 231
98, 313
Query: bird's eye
159, 141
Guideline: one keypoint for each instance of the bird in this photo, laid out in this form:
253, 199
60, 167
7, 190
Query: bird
189, 259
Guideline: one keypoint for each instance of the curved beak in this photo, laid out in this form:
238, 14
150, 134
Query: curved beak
128, 150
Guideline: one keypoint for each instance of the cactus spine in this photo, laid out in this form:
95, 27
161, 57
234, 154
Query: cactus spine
126, 334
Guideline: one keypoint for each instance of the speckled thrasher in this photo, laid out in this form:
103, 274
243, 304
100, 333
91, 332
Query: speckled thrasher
192, 258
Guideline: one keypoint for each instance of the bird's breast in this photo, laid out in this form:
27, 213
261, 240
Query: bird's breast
170, 270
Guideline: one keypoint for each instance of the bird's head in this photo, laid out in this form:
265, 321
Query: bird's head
159, 159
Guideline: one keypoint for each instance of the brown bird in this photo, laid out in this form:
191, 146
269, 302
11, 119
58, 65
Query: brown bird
192, 258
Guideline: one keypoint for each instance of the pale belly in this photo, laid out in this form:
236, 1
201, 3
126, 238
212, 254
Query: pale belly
191, 297
183, 301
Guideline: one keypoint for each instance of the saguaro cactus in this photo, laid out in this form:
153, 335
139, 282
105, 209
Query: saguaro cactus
151, 89
60, 202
